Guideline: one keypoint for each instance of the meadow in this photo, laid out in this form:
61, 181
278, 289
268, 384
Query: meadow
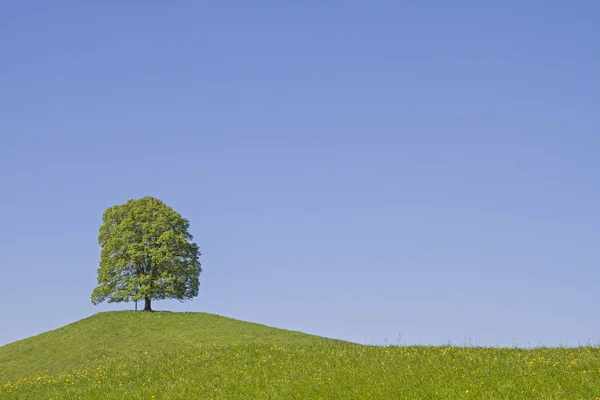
126, 355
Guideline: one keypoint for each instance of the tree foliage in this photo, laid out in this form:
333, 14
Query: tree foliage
147, 253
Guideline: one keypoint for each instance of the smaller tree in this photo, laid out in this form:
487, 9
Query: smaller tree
147, 253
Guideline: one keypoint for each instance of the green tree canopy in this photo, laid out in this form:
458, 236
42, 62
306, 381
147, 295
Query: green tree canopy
147, 253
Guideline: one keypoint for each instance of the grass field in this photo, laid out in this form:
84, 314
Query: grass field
128, 355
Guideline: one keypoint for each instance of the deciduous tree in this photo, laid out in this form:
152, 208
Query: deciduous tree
147, 253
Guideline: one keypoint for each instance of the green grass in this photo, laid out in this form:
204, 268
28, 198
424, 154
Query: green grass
130, 333
127, 355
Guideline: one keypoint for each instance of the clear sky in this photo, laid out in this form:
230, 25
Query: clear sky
427, 171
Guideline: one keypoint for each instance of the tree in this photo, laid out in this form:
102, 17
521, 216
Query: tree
147, 253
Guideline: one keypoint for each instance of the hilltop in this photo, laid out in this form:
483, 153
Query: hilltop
110, 334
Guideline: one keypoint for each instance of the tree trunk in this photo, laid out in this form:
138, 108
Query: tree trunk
147, 306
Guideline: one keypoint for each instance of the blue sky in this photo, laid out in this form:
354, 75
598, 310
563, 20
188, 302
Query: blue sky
417, 169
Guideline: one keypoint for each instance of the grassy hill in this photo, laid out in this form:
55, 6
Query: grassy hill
112, 334
129, 355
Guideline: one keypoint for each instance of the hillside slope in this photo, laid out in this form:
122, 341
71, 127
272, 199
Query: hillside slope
124, 333
181, 356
